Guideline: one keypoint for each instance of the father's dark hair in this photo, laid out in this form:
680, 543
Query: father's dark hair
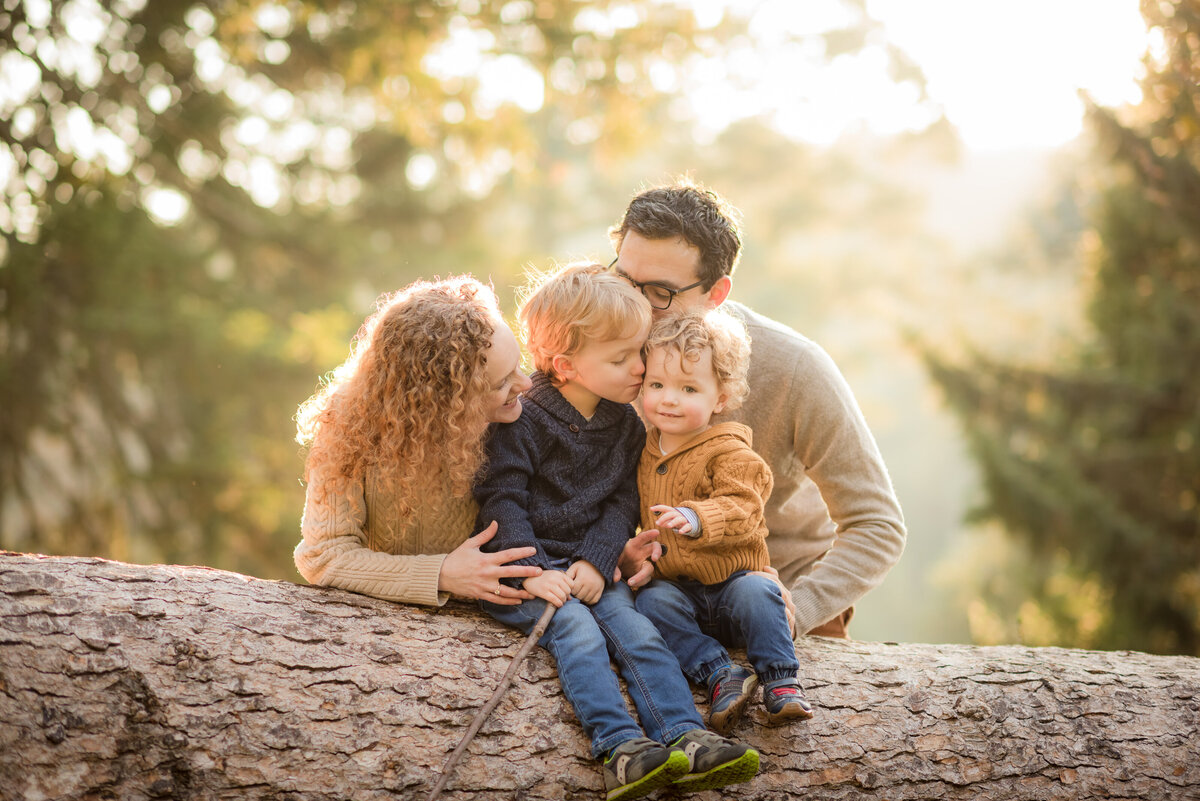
685, 209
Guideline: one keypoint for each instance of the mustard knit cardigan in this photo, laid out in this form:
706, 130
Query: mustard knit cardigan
718, 476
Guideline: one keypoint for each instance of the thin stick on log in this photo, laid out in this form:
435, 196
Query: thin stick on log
539, 629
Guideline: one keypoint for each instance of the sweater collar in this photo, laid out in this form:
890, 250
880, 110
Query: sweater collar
546, 395
716, 431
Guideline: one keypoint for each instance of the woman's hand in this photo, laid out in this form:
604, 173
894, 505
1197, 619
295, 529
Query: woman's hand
553, 586
586, 582
672, 518
470, 573
638, 558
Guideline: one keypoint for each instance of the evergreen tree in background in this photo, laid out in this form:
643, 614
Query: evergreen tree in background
1095, 466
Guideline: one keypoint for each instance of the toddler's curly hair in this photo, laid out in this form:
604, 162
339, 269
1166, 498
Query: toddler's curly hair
690, 332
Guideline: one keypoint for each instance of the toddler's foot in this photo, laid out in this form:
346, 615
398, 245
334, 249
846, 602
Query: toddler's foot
714, 761
640, 766
785, 702
729, 689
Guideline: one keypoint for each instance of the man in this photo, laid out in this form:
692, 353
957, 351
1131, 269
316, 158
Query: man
835, 524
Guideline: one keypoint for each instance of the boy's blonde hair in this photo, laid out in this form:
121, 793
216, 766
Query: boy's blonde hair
582, 302
689, 332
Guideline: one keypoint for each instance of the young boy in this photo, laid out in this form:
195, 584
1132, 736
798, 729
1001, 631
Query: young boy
704, 489
562, 479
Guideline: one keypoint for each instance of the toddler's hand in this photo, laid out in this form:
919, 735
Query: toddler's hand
670, 517
552, 586
586, 582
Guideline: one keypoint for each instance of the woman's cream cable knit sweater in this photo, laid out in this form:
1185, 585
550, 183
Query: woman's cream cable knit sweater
359, 542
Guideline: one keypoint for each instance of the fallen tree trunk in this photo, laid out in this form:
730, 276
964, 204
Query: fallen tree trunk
132, 682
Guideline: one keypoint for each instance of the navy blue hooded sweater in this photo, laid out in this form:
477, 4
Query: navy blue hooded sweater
562, 483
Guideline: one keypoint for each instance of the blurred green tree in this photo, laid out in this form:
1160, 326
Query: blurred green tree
1095, 466
201, 200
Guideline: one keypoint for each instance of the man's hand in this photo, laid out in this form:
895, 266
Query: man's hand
638, 558
586, 582
773, 574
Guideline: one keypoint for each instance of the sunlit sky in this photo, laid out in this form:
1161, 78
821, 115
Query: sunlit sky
1007, 74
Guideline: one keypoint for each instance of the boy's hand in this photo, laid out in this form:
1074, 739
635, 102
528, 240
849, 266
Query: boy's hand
552, 586
586, 582
670, 517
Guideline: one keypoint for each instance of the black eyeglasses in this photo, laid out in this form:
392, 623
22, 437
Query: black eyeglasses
659, 295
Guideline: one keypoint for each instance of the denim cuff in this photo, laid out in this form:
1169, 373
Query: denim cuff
778, 677
703, 674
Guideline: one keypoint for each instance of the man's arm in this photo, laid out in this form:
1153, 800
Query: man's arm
841, 458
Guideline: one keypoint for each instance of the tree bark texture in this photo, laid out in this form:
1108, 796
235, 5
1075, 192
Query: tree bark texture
134, 682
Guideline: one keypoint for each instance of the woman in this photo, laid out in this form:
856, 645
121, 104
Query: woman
395, 438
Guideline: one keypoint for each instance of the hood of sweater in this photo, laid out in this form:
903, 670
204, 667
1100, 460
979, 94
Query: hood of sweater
736, 433
546, 395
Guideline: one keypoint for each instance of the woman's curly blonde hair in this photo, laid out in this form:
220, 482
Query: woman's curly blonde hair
406, 404
688, 333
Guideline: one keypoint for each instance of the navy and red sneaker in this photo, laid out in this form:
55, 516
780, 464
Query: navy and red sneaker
784, 702
729, 690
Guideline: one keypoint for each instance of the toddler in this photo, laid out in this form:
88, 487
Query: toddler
704, 488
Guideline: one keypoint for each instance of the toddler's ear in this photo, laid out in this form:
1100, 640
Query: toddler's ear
722, 399
563, 367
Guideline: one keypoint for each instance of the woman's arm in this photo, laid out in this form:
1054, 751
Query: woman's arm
334, 553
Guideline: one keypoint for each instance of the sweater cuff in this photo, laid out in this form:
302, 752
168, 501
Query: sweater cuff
710, 510
809, 613
694, 519
425, 581
603, 559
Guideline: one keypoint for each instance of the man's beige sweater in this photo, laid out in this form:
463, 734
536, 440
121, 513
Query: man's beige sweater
361, 543
835, 522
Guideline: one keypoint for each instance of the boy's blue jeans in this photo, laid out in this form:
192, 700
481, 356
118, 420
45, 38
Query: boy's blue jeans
581, 638
698, 620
